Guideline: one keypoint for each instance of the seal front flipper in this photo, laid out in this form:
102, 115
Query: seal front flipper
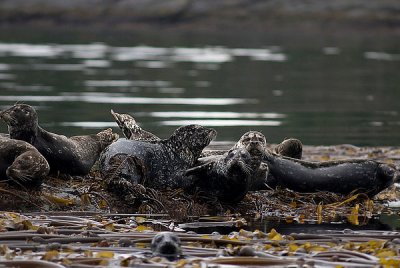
131, 130
124, 166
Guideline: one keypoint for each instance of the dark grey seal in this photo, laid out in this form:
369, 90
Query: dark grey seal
21, 163
74, 156
167, 245
342, 177
131, 130
255, 144
226, 178
157, 165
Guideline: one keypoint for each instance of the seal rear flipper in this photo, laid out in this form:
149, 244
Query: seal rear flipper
131, 130
201, 170
207, 159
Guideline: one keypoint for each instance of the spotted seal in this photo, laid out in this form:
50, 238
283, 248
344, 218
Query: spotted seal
156, 165
131, 130
21, 163
227, 178
167, 245
342, 177
74, 156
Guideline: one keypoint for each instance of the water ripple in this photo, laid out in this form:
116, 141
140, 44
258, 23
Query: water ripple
381, 56
223, 123
98, 98
204, 114
149, 57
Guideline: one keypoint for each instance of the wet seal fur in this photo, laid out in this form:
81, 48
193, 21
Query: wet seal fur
131, 130
167, 245
22, 163
342, 177
227, 178
156, 165
254, 143
74, 156
290, 147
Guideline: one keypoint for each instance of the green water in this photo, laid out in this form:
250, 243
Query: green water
323, 89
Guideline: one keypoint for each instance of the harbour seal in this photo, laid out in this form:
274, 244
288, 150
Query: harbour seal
156, 165
342, 177
21, 163
131, 130
227, 178
290, 147
74, 156
167, 245
255, 144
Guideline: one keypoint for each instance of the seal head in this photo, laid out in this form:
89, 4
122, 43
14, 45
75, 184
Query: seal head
167, 245
227, 178
21, 163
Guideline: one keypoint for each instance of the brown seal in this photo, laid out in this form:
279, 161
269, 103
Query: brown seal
21, 163
290, 147
74, 156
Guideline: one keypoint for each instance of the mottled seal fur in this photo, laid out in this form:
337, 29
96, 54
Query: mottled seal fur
290, 148
75, 155
342, 177
157, 165
21, 163
131, 130
167, 245
255, 144
227, 178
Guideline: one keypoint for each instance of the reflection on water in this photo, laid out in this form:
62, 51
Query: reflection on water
344, 90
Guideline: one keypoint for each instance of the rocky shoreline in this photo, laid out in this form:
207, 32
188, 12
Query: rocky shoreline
226, 15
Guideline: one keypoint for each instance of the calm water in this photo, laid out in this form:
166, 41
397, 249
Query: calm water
322, 89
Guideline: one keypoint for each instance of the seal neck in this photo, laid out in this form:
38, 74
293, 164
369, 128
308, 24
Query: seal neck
26, 135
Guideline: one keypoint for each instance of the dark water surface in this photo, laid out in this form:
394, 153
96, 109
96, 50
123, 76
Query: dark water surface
323, 89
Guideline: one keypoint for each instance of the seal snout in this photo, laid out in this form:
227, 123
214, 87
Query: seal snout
166, 244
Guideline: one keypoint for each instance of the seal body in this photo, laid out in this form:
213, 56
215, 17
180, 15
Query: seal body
227, 178
342, 177
22, 163
254, 143
157, 165
74, 156
166, 244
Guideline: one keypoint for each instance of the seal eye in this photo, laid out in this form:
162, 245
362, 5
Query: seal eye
159, 239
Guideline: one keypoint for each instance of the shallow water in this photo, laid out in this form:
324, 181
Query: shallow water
329, 89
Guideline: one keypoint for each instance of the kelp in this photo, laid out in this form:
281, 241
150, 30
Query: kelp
47, 240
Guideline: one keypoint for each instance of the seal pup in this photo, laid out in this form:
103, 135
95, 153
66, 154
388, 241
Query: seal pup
342, 176
74, 156
227, 178
22, 163
156, 165
167, 245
